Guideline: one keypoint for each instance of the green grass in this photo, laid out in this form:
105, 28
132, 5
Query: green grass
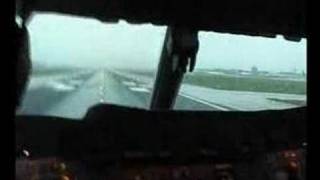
255, 84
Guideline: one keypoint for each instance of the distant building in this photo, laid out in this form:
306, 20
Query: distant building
264, 72
254, 70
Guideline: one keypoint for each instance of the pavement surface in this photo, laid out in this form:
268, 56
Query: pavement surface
71, 94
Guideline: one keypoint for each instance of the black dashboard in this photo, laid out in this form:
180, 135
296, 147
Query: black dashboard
113, 142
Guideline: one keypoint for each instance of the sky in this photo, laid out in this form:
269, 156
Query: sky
66, 40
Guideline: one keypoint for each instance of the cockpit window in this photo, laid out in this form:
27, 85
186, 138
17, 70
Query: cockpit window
80, 62
244, 73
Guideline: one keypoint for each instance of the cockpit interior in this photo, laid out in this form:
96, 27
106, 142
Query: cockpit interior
160, 90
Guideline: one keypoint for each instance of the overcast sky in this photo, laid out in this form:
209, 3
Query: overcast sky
63, 40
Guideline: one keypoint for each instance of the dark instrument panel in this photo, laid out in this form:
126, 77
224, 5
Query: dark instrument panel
118, 143
285, 165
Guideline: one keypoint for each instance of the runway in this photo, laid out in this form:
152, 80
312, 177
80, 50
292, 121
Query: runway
71, 94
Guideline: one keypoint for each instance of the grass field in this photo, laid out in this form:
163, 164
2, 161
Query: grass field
255, 84
239, 83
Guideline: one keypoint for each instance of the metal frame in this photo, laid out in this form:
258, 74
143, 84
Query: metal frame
179, 49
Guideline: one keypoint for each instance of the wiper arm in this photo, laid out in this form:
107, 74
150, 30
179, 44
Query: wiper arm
179, 50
